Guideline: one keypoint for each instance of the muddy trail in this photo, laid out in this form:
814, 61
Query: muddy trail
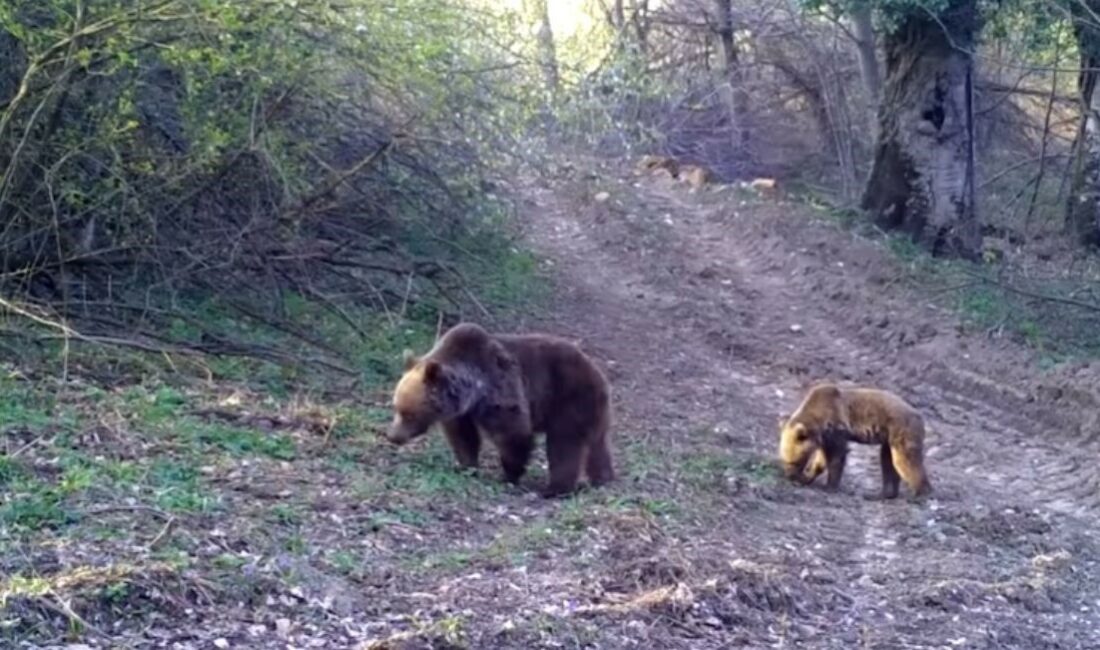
714, 311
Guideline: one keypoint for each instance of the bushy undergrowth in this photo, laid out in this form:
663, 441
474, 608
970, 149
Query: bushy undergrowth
216, 176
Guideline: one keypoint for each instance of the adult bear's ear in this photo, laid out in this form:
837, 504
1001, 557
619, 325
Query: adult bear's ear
408, 359
433, 372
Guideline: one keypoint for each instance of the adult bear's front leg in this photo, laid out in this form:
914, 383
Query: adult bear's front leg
464, 439
509, 428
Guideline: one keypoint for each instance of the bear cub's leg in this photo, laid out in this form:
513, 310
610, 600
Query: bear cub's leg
835, 461
465, 440
910, 465
890, 477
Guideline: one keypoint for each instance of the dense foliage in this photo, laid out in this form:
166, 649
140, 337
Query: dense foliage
159, 151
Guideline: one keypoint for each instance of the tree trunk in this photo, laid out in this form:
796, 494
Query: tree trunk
1083, 203
731, 83
548, 57
639, 17
922, 180
13, 66
868, 60
616, 17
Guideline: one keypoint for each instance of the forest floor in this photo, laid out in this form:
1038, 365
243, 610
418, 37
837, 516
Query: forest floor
711, 311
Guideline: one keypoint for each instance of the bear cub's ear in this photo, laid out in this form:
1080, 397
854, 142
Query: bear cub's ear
408, 359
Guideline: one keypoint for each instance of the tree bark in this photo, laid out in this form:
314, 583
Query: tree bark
639, 18
731, 83
13, 66
922, 179
616, 18
868, 59
1083, 204
548, 56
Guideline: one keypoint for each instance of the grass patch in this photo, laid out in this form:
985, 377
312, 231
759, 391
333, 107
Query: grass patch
31, 504
643, 461
21, 405
163, 410
705, 471
236, 441
512, 546
1058, 331
432, 472
652, 506
284, 515
983, 307
353, 422
399, 516
757, 470
176, 487
905, 249
345, 562
10, 469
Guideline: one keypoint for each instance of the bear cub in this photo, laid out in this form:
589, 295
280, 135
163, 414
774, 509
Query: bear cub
815, 438
507, 388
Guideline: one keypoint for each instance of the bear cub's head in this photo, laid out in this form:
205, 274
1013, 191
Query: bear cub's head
429, 391
798, 444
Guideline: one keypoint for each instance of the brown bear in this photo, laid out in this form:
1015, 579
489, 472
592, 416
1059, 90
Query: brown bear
507, 388
815, 438
653, 164
696, 176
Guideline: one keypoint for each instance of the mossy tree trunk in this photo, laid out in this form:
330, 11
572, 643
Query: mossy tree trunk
731, 84
1083, 203
864, 32
922, 179
547, 50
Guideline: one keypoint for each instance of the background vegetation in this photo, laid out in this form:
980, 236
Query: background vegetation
184, 175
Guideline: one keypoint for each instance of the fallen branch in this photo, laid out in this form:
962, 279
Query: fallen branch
954, 288
1035, 295
103, 510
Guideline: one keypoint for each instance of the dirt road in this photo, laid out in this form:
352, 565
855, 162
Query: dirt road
714, 311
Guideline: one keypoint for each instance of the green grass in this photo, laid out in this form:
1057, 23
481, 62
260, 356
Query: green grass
905, 249
1057, 332
284, 514
757, 470
236, 441
345, 562
513, 546
399, 516
122, 473
32, 504
428, 470
643, 461
653, 506
23, 405
10, 469
705, 471
352, 422
176, 486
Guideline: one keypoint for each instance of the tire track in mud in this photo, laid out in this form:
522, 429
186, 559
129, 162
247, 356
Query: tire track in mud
702, 292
